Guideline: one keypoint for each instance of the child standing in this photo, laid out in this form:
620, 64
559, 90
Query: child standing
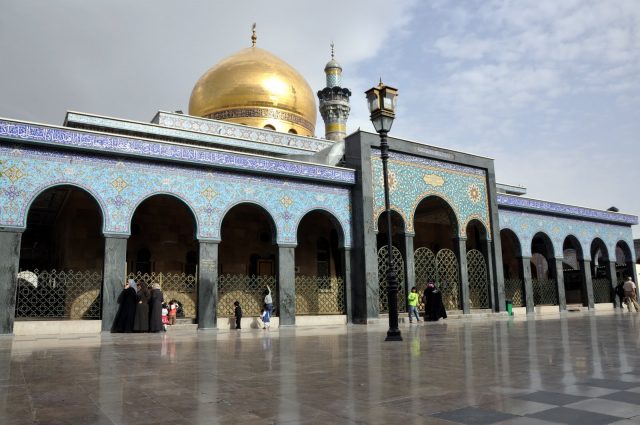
237, 311
266, 317
413, 305
165, 316
173, 312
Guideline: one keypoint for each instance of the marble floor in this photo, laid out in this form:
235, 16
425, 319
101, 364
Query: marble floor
579, 369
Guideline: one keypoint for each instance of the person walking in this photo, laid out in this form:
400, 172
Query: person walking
630, 294
141, 322
434, 308
155, 309
126, 314
619, 291
412, 298
268, 301
237, 312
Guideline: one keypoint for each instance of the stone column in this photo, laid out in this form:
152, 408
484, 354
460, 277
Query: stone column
410, 281
587, 280
9, 263
286, 285
562, 299
115, 273
613, 277
461, 248
494, 297
528, 284
346, 275
208, 285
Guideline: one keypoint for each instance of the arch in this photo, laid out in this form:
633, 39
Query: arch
598, 246
331, 216
476, 232
573, 276
574, 243
445, 201
600, 271
148, 196
394, 209
272, 222
512, 267
510, 237
544, 243
41, 189
627, 268
543, 264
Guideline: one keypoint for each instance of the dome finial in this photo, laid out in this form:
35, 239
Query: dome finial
254, 37
332, 50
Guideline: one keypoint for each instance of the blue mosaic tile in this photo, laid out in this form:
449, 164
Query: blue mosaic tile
222, 128
254, 142
555, 208
526, 224
119, 186
159, 150
412, 179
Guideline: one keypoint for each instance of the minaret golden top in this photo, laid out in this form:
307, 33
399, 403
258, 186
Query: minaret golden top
254, 37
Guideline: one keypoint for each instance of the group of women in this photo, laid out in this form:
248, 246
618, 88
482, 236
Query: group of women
140, 309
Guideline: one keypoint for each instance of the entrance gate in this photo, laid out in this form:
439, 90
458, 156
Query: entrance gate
383, 267
442, 269
478, 281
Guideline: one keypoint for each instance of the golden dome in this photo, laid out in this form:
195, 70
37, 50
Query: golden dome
256, 88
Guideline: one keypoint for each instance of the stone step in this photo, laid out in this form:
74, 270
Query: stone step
183, 321
182, 327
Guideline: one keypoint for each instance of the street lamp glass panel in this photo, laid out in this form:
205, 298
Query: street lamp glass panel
372, 100
390, 98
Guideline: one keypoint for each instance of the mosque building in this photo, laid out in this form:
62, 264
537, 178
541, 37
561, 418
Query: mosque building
238, 194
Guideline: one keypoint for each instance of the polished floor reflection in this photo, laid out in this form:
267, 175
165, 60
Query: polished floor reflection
582, 369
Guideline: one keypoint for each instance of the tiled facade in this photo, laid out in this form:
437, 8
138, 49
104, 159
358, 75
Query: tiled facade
526, 224
120, 186
412, 179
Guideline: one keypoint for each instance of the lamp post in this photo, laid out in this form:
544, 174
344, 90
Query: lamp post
382, 106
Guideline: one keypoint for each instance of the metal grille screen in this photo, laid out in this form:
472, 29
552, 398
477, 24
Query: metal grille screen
513, 290
448, 279
545, 292
175, 286
478, 281
319, 295
602, 292
58, 294
442, 269
248, 290
425, 266
383, 266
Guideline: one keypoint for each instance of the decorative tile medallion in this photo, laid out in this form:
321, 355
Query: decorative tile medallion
416, 178
526, 224
119, 186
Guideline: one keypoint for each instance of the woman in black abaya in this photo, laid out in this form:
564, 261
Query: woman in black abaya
434, 308
155, 309
126, 314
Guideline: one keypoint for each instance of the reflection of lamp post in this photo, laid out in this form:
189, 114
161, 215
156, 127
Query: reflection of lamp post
382, 104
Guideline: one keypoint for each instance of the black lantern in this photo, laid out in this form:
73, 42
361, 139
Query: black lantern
382, 106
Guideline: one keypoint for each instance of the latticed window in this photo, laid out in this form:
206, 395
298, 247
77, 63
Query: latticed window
383, 267
58, 294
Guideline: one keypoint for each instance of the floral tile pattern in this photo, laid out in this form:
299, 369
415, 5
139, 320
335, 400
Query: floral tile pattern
526, 224
413, 179
120, 186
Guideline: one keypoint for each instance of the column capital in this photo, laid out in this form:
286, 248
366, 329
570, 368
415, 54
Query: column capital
287, 245
12, 229
115, 236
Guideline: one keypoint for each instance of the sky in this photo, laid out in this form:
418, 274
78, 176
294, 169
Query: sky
550, 89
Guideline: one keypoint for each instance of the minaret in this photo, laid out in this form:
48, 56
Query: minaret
334, 102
